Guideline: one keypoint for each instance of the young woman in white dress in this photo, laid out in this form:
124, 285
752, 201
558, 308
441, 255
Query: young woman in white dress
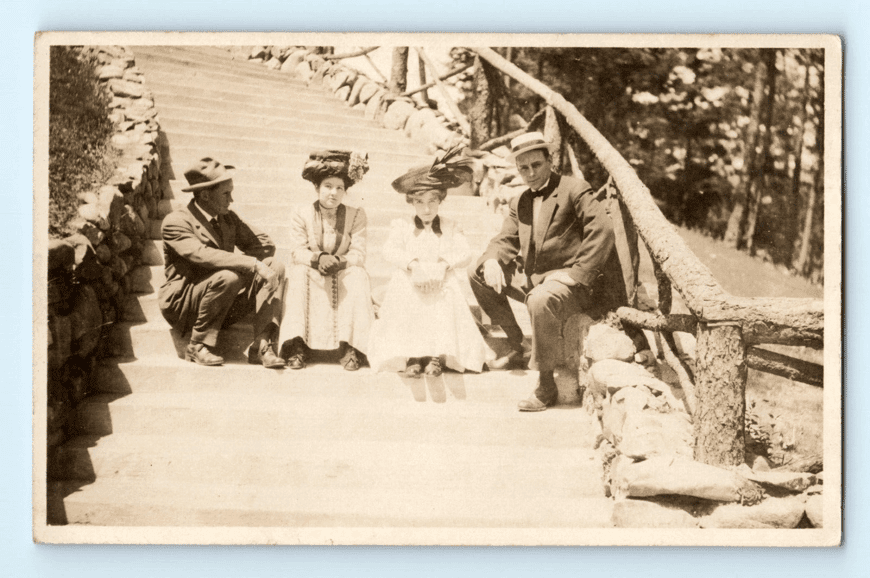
424, 322
328, 304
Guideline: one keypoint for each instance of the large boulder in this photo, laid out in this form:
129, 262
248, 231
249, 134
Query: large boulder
367, 91
606, 342
647, 434
613, 375
815, 509
125, 88
417, 120
647, 514
770, 513
373, 106
791, 481
61, 255
293, 60
303, 71
353, 97
397, 114
110, 71
86, 321
673, 475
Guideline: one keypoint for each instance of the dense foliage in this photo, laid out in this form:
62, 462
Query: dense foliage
729, 141
79, 133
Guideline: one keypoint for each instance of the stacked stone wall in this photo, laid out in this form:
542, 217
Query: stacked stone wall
90, 272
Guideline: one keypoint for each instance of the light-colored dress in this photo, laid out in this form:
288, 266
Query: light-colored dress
416, 324
326, 310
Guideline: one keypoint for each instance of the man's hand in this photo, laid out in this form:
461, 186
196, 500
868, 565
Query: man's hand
327, 264
562, 277
268, 275
493, 275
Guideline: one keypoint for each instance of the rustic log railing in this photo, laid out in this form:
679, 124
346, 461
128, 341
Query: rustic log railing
727, 328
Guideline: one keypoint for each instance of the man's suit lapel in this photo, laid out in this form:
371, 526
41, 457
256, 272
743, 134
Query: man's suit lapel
548, 209
202, 225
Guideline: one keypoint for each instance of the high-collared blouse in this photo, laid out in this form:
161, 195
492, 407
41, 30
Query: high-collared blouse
441, 240
311, 235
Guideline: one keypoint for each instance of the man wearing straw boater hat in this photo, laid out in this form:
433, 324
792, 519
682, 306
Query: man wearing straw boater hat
208, 285
564, 240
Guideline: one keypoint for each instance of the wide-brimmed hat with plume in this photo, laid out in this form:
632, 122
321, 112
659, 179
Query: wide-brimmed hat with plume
350, 166
448, 171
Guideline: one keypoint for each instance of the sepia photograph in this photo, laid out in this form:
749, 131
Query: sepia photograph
437, 289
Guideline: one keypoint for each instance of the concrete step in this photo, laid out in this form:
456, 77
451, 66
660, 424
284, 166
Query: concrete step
109, 502
296, 412
297, 139
293, 152
150, 57
298, 463
357, 139
325, 124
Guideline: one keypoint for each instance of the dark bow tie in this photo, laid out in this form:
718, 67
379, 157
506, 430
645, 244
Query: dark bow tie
545, 192
436, 224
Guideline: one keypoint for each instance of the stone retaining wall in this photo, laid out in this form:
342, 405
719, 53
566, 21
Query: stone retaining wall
89, 272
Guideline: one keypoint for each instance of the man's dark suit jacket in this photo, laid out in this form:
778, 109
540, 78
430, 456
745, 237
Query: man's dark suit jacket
578, 237
193, 251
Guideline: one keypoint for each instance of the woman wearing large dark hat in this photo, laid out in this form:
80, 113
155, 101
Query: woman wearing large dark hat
424, 322
328, 304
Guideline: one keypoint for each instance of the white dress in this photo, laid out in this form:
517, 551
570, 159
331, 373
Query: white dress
415, 324
326, 310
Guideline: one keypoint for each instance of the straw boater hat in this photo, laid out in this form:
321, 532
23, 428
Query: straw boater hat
350, 166
448, 171
527, 142
205, 173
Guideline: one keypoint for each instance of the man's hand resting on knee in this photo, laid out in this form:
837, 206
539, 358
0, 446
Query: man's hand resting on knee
493, 275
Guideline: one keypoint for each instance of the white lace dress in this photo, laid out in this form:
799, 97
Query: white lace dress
415, 324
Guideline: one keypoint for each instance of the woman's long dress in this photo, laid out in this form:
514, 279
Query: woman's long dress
326, 310
416, 324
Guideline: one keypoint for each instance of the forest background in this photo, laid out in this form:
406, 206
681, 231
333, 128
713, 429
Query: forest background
729, 141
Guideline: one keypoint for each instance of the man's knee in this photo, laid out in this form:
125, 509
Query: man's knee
225, 280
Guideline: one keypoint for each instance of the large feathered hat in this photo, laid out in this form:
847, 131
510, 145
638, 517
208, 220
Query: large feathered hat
448, 171
350, 166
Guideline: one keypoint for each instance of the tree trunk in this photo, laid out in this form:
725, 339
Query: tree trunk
480, 115
761, 176
399, 71
797, 172
802, 264
720, 393
735, 221
421, 66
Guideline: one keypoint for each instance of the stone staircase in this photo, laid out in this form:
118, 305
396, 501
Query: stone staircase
164, 442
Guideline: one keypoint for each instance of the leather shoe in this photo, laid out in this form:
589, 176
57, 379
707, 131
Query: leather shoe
413, 368
295, 353
433, 368
351, 360
266, 356
512, 360
199, 353
534, 404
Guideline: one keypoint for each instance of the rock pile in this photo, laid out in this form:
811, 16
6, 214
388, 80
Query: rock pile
419, 122
89, 272
647, 444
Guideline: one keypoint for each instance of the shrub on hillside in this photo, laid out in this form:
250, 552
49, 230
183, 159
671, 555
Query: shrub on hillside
79, 132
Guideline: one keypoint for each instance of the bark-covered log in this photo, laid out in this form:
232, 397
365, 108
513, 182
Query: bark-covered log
451, 104
664, 287
701, 292
429, 85
785, 366
720, 390
657, 322
481, 106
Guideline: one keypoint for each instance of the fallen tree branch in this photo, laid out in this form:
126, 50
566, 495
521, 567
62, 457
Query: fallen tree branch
657, 321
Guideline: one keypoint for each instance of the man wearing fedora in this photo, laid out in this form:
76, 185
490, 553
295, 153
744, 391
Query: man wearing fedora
563, 238
209, 286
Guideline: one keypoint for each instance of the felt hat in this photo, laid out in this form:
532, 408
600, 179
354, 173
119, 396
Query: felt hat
205, 173
350, 166
448, 171
527, 142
